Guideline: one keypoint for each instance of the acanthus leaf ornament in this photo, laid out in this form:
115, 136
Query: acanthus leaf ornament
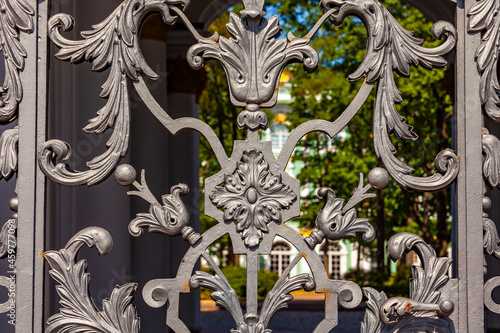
78, 311
15, 16
280, 296
112, 43
483, 17
8, 152
491, 240
336, 222
277, 299
392, 48
252, 197
222, 293
253, 61
427, 307
491, 162
8, 239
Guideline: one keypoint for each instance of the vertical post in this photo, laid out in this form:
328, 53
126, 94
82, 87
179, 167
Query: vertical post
469, 236
252, 282
31, 182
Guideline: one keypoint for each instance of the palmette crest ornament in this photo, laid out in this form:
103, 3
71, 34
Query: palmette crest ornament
252, 197
254, 60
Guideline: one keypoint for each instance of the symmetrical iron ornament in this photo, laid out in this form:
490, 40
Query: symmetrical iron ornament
252, 197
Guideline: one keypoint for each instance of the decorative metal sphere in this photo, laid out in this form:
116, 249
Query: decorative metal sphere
378, 178
446, 307
486, 203
14, 204
125, 174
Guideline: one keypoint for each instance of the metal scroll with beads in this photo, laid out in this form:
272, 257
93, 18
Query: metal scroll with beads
251, 197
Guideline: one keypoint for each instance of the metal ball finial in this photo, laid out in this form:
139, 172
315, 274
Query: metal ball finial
378, 178
125, 174
486, 203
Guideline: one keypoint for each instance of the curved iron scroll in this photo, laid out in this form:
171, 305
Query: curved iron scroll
252, 197
78, 311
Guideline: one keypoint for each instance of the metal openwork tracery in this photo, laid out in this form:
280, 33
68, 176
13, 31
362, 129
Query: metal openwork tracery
252, 197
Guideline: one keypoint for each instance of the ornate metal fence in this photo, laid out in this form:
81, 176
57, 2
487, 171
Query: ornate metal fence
252, 197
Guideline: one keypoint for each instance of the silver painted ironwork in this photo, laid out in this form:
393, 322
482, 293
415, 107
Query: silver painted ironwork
252, 197
491, 164
252, 189
392, 48
8, 152
113, 44
491, 239
171, 218
483, 18
15, 16
431, 299
336, 221
78, 311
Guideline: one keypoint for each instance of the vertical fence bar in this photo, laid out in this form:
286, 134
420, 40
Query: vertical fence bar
31, 183
469, 238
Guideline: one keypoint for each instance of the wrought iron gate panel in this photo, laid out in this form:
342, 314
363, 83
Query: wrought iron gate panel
252, 197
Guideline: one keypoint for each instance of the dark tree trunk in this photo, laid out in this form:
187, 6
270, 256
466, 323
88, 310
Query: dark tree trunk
380, 230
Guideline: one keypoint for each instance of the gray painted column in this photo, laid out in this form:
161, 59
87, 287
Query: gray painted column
148, 150
168, 160
469, 240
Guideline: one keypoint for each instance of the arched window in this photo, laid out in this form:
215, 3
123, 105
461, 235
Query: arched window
333, 257
280, 257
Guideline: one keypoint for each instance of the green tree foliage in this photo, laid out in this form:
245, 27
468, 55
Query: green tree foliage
325, 94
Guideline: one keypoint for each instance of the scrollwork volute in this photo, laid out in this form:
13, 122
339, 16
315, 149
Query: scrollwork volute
392, 48
114, 44
429, 303
78, 311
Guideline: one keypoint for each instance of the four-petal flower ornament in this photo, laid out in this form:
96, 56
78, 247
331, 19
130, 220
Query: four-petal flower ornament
252, 197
